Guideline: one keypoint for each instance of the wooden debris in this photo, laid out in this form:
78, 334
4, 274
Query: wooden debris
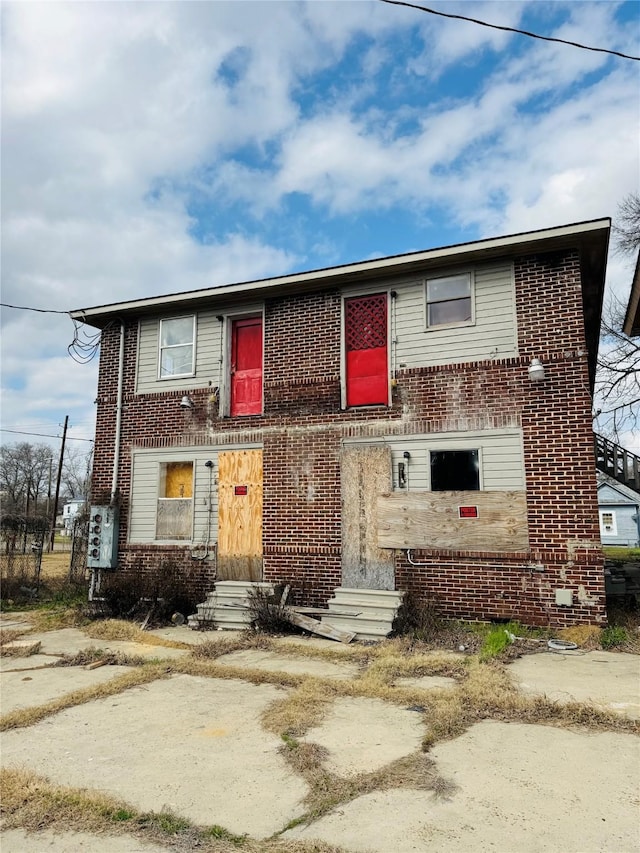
97, 663
316, 627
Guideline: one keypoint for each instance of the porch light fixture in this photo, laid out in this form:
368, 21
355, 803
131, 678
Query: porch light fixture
536, 370
186, 403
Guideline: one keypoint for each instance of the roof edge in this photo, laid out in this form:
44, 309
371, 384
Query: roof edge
489, 246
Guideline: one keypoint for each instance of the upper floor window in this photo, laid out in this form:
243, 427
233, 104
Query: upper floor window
449, 301
177, 347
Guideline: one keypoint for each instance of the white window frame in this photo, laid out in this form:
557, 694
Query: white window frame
613, 527
470, 278
192, 343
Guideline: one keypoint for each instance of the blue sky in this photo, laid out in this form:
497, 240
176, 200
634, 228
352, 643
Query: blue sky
151, 148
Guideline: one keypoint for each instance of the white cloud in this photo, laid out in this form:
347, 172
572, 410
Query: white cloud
115, 113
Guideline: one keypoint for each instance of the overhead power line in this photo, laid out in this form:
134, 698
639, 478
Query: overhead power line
27, 308
510, 29
43, 434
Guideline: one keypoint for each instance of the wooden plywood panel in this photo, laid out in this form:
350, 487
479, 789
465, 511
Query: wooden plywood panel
365, 474
178, 480
240, 515
432, 520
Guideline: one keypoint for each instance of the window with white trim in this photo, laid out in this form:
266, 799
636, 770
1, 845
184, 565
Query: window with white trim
449, 301
608, 526
177, 347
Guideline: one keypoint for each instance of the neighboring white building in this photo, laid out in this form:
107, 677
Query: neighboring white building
69, 511
619, 508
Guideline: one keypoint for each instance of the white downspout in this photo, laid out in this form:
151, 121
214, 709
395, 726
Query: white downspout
120, 394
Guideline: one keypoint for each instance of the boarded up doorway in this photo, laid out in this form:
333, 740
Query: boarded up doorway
240, 515
365, 473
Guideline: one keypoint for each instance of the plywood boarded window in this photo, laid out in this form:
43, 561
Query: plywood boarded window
175, 501
366, 357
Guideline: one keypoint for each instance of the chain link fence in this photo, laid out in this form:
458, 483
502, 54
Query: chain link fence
21, 544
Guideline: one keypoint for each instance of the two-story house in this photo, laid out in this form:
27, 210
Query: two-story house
419, 422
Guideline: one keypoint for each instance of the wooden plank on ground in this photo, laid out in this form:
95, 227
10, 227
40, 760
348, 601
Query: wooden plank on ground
317, 627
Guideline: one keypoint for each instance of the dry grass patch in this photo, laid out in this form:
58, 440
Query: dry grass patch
328, 790
302, 709
92, 655
55, 618
119, 629
34, 804
584, 636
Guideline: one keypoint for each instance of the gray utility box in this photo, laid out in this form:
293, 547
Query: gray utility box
102, 551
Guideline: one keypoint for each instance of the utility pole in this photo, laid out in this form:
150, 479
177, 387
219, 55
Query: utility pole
55, 501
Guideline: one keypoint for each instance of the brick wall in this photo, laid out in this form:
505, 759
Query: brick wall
302, 429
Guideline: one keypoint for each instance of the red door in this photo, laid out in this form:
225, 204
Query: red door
246, 366
365, 322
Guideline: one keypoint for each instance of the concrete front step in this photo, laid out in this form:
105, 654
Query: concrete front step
228, 605
376, 610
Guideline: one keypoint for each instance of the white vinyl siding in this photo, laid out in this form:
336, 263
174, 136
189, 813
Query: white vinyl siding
145, 491
492, 335
212, 344
501, 456
207, 366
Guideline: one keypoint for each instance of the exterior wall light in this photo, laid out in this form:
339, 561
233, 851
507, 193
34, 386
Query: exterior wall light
186, 403
536, 370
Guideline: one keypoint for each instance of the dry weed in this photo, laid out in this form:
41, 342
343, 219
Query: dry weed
584, 636
118, 629
302, 709
33, 803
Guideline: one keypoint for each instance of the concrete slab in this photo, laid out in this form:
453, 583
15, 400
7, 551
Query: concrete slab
363, 735
70, 641
609, 680
541, 790
11, 664
190, 744
18, 841
38, 686
425, 682
274, 662
14, 622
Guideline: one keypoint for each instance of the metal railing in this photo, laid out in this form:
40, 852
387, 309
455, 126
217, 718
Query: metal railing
617, 462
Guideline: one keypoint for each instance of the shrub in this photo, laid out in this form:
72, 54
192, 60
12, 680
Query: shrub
614, 636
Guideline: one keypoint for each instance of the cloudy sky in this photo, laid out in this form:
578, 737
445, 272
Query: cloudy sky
156, 147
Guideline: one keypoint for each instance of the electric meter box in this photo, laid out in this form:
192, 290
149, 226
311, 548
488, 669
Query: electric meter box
102, 551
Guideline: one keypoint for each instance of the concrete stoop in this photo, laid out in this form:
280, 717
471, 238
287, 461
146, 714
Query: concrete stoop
369, 613
227, 606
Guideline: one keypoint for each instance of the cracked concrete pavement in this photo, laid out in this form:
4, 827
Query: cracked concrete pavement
196, 745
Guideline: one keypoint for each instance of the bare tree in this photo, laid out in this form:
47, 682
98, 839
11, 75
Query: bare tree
76, 472
25, 477
618, 373
626, 229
